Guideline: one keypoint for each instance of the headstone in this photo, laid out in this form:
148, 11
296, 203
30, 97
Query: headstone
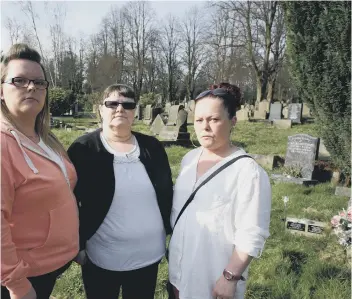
305, 227
148, 117
323, 152
167, 107
76, 108
282, 123
306, 111
182, 120
263, 109
267, 161
190, 117
137, 113
275, 111
285, 112
343, 191
242, 114
295, 112
169, 133
157, 125
302, 150
173, 113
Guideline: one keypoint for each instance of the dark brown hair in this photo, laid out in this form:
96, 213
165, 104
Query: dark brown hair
232, 102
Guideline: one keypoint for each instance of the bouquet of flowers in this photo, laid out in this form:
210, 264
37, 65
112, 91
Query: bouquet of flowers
342, 226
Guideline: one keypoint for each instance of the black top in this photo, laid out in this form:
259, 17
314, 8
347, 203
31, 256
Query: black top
96, 181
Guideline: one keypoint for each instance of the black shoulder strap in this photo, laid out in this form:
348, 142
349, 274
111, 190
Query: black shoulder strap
206, 181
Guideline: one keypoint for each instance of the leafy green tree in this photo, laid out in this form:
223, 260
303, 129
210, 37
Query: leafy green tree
319, 49
61, 100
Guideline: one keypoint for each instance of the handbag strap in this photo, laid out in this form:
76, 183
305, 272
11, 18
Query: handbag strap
189, 200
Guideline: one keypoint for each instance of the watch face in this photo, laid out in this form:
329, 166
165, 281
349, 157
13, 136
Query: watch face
227, 275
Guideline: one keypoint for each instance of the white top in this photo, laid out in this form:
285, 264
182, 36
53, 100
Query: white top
55, 157
232, 209
132, 235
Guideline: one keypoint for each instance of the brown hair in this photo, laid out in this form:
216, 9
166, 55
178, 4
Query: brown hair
231, 103
42, 122
121, 89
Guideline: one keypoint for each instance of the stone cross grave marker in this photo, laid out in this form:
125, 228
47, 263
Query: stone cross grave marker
295, 112
275, 111
157, 125
302, 150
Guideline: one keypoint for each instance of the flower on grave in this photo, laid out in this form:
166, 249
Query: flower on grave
285, 199
342, 225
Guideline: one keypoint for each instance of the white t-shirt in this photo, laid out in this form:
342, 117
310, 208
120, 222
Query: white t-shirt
132, 235
232, 209
55, 157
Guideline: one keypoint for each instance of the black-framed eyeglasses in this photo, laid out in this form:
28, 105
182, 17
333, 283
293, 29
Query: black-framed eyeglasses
218, 92
115, 104
24, 82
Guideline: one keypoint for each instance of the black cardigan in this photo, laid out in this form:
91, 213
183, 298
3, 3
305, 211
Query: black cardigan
96, 182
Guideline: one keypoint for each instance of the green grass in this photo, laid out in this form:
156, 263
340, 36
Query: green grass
291, 266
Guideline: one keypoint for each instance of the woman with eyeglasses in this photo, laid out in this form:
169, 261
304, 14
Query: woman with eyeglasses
227, 222
124, 194
39, 215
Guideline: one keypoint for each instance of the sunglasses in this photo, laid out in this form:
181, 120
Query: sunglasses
115, 104
219, 92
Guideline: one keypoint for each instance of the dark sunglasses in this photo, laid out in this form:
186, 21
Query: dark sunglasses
115, 104
219, 92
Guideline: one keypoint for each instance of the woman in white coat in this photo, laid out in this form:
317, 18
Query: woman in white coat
227, 222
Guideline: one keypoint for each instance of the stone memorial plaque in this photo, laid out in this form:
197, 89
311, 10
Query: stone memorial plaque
157, 125
305, 226
302, 150
282, 123
275, 111
173, 114
295, 113
296, 224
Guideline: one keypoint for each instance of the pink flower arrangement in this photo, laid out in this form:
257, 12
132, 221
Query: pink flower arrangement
341, 224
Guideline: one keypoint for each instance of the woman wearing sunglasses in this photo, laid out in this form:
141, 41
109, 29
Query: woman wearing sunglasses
39, 216
124, 193
227, 222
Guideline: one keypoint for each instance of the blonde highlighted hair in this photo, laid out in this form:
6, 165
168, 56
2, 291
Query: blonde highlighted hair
42, 122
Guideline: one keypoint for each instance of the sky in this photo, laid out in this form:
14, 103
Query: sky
82, 17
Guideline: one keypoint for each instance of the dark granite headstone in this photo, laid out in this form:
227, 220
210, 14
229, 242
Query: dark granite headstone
295, 112
275, 111
302, 150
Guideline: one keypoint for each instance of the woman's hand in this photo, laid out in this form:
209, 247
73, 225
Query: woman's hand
81, 258
30, 295
224, 289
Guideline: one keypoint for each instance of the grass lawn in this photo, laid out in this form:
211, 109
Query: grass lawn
291, 266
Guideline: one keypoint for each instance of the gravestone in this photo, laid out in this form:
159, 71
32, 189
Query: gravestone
275, 111
243, 114
306, 111
176, 127
137, 113
147, 117
282, 123
323, 152
167, 107
173, 113
262, 110
285, 112
295, 112
157, 125
302, 150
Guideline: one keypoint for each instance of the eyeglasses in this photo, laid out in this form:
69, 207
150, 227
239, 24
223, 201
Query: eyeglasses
24, 82
219, 92
115, 104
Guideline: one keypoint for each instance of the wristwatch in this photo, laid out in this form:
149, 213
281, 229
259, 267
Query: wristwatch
231, 276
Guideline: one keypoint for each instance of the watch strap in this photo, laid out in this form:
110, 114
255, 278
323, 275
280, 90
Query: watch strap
231, 276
